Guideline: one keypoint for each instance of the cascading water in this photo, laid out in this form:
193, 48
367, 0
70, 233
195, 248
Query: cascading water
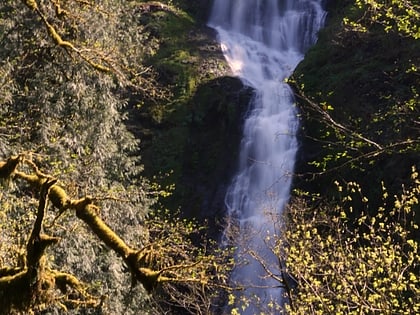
263, 41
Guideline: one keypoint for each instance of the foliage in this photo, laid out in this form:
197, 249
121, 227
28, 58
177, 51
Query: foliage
366, 264
400, 16
164, 258
347, 245
350, 247
360, 122
69, 72
56, 104
198, 283
334, 258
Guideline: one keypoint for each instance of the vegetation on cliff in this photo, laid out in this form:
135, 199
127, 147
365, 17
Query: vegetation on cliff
359, 93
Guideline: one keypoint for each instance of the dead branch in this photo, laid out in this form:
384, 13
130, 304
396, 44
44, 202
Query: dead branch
327, 118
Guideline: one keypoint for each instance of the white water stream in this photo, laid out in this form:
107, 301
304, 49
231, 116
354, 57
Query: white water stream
263, 41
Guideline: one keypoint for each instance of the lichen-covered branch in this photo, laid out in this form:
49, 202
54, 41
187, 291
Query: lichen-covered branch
87, 212
148, 265
38, 242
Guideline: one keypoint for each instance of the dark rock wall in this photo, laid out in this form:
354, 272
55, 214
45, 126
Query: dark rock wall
210, 157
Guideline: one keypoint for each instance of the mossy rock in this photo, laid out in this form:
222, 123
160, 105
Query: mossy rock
199, 154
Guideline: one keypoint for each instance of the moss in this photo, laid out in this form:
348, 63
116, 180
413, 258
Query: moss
88, 213
13, 280
22, 288
140, 272
33, 271
31, 179
59, 197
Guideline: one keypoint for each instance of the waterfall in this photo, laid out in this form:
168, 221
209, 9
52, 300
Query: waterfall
263, 41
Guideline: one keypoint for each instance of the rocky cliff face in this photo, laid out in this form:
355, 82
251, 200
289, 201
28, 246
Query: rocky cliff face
210, 157
190, 139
